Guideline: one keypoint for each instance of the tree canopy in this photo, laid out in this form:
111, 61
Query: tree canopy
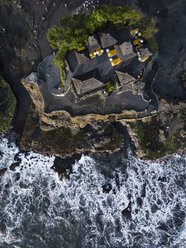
74, 30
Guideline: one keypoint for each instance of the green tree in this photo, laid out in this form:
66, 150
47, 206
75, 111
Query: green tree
74, 30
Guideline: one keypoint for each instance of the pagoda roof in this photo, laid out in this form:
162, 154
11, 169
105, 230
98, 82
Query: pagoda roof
124, 78
81, 58
144, 52
93, 43
88, 82
125, 51
107, 39
129, 83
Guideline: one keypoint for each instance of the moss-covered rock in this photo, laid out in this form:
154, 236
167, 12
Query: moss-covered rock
65, 141
161, 135
7, 105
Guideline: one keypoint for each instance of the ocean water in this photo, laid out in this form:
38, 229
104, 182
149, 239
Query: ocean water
144, 206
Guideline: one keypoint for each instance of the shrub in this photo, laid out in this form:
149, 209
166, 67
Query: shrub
110, 87
62, 73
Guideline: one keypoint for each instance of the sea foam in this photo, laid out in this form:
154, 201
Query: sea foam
39, 209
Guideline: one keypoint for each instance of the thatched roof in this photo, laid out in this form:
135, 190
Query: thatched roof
144, 52
88, 83
81, 58
93, 43
124, 78
107, 40
125, 51
128, 83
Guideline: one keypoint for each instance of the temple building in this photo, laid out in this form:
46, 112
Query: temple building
82, 58
107, 40
88, 83
128, 83
102, 59
143, 54
125, 51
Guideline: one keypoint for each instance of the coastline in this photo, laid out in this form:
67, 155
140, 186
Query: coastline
13, 77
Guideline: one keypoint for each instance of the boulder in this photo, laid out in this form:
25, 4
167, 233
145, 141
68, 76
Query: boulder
127, 212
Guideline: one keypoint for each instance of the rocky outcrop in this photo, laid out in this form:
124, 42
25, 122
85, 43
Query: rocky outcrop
33, 88
62, 118
155, 135
7, 105
60, 133
68, 110
161, 135
65, 141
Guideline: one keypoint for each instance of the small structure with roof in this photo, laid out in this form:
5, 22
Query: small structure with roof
128, 83
125, 51
144, 54
81, 58
107, 40
93, 45
88, 83
105, 53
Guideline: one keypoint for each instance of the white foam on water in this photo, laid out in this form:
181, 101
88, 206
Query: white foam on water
7, 152
180, 238
77, 210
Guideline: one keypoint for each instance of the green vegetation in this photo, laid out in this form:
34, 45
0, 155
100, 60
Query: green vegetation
7, 105
110, 87
74, 30
152, 44
62, 73
149, 133
62, 141
114, 136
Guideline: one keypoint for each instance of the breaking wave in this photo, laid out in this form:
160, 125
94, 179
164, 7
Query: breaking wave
115, 201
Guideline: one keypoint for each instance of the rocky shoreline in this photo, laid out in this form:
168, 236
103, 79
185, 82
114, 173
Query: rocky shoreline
167, 85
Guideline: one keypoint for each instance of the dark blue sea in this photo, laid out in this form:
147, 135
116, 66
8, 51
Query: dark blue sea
144, 206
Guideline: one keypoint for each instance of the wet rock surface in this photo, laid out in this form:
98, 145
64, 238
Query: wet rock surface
127, 212
139, 201
2, 228
107, 187
96, 138
2, 171
14, 165
161, 135
64, 166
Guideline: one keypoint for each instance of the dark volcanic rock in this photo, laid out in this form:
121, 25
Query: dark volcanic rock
17, 176
117, 181
2, 171
127, 212
143, 191
4, 194
1, 154
17, 158
14, 165
65, 141
46, 202
139, 201
2, 228
63, 166
162, 179
107, 187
